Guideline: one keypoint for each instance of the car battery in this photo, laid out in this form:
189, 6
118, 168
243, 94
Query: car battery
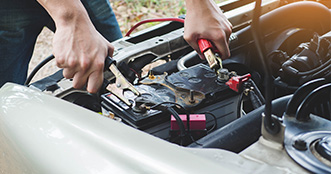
196, 89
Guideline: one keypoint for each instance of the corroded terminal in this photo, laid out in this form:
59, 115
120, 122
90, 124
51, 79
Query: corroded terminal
223, 74
120, 85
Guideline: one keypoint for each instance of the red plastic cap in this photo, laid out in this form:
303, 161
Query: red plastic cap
235, 83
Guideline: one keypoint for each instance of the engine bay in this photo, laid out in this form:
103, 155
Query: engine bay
183, 101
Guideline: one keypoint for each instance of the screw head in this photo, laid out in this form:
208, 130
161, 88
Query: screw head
300, 144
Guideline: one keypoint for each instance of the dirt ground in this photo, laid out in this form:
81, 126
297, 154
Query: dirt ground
43, 48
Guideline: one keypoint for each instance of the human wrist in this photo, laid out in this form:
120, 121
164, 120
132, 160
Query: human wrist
65, 12
199, 4
70, 17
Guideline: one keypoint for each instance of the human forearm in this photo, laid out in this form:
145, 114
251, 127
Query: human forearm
194, 5
64, 11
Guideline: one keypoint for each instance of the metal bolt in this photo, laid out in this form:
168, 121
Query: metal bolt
300, 144
191, 100
223, 74
151, 75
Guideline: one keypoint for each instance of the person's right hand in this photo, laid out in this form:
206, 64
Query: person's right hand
205, 20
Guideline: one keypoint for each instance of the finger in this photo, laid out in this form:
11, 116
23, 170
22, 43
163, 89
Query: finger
194, 44
68, 73
79, 79
84, 64
94, 81
222, 46
228, 31
60, 61
110, 50
67, 62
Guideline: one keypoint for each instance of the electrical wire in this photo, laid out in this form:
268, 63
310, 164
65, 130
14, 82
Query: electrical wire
179, 122
37, 68
178, 105
269, 122
194, 141
208, 131
167, 102
176, 116
153, 20
239, 105
187, 114
301, 93
322, 73
326, 64
257, 91
215, 122
318, 94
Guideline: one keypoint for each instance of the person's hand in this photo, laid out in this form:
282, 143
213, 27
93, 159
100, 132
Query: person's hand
81, 51
77, 46
204, 20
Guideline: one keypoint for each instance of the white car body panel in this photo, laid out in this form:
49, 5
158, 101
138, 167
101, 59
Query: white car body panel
43, 134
